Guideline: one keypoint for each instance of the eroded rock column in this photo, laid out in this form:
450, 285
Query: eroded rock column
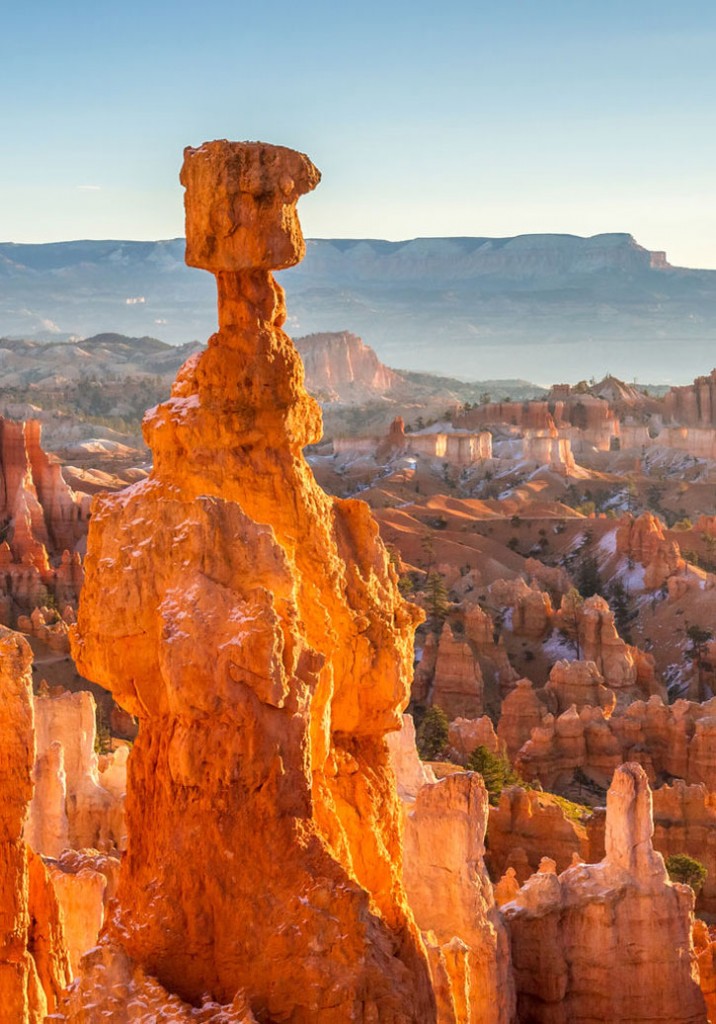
609, 941
34, 965
254, 626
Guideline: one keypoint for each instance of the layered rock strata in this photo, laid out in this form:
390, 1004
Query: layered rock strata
256, 631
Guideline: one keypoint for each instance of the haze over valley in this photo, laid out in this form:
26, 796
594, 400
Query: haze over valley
553, 307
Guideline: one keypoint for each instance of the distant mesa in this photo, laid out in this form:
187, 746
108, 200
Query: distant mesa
341, 364
466, 307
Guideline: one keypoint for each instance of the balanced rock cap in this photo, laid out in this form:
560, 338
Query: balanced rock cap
240, 205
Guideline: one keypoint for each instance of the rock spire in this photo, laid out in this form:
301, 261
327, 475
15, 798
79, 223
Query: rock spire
254, 626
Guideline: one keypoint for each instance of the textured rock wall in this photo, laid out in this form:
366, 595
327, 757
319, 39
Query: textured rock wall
71, 808
449, 889
341, 366
609, 941
34, 965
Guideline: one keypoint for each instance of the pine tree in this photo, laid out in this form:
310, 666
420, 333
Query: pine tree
496, 772
432, 734
436, 599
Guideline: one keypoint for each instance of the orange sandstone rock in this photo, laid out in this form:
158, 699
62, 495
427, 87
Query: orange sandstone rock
341, 365
34, 966
449, 889
578, 684
643, 539
522, 711
254, 627
457, 685
465, 734
451, 895
71, 808
535, 823
705, 945
609, 941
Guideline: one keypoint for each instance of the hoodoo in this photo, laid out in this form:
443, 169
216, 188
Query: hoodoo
34, 964
254, 626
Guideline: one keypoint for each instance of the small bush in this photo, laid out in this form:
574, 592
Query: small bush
683, 524
688, 870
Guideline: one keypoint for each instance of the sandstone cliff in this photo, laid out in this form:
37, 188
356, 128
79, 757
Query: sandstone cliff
342, 368
41, 522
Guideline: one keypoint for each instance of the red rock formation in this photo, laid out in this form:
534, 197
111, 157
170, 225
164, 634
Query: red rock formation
532, 610
451, 895
341, 367
556, 749
411, 774
465, 734
694, 404
41, 510
489, 648
40, 518
577, 684
547, 448
685, 822
457, 684
507, 887
555, 579
643, 540
34, 965
705, 945
522, 711
609, 941
449, 890
627, 671
84, 881
254, 627
458, 448
393, 443
676, 740
536, 825
530, 415
71, 808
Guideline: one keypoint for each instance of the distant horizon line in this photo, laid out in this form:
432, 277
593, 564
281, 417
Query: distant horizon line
369, 238
627, 236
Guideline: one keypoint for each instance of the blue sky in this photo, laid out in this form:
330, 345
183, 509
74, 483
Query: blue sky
425, 118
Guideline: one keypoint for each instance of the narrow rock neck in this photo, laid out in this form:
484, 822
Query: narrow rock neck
249, 299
